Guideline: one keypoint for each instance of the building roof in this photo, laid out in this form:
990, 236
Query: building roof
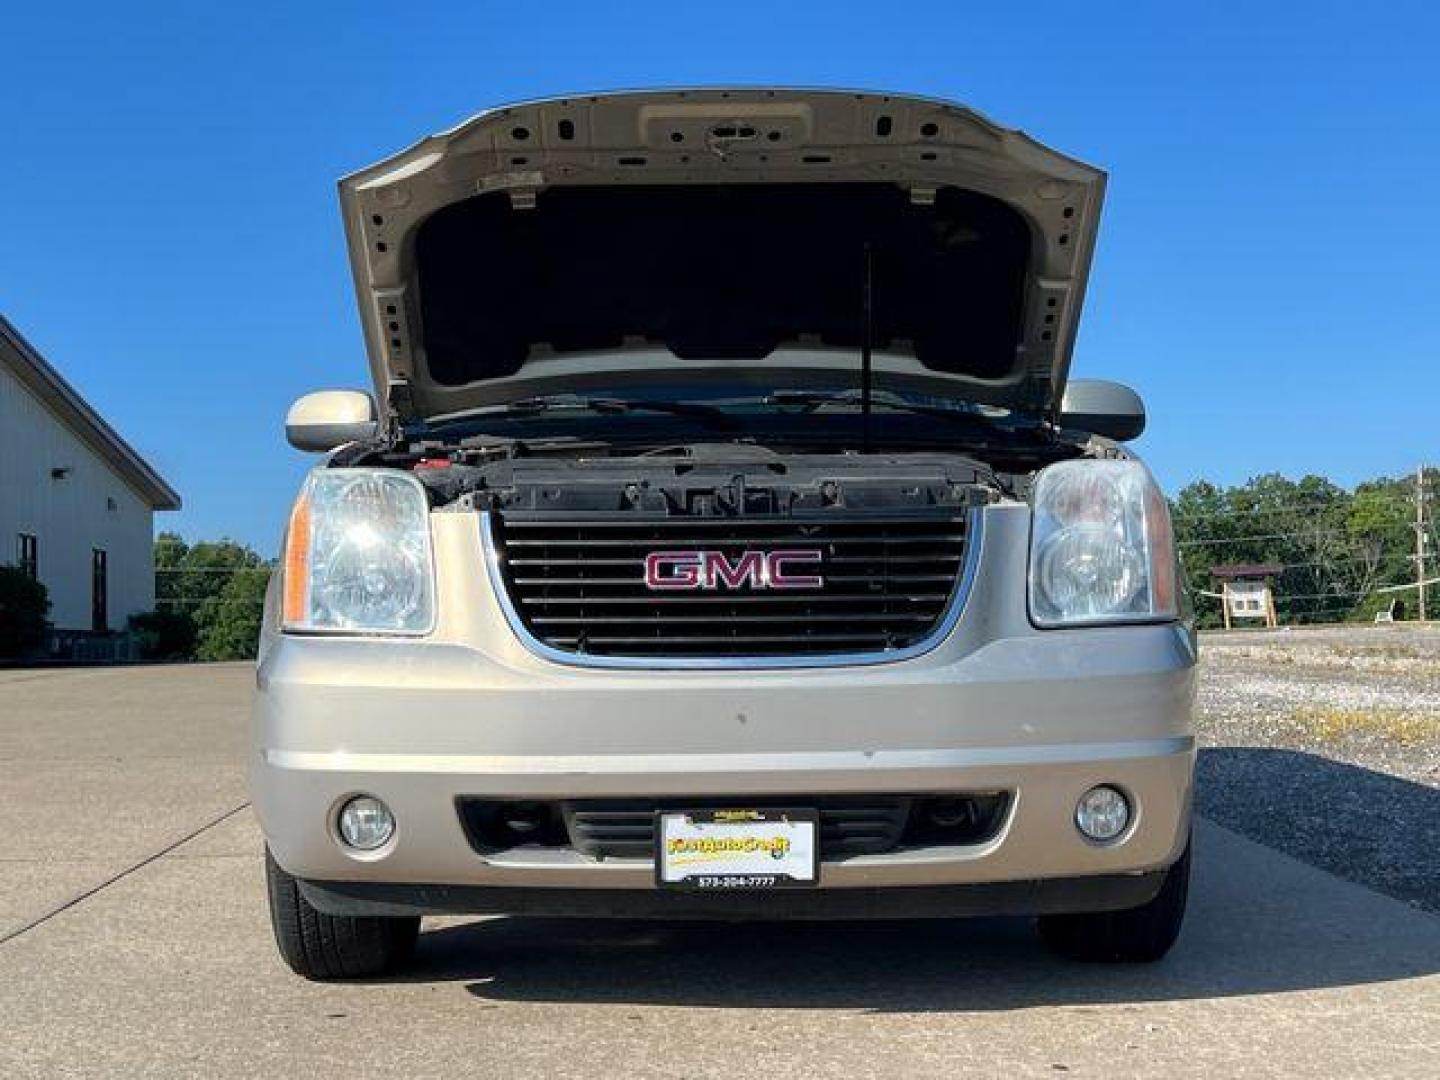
50, 387
1237, 571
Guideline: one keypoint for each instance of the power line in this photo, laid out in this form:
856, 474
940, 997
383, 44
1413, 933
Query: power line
1220, 541
1204, 515
213, 569
209, 600
1346, 560
1338, 594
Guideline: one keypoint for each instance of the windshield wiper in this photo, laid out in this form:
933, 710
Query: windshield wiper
809, 401
690, 410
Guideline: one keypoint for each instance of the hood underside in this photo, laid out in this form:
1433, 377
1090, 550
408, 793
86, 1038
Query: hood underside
689, 236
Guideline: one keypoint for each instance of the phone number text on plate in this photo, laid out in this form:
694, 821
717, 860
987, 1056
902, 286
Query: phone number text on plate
734, 881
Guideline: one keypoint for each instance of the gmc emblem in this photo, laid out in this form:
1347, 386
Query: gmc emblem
751, 570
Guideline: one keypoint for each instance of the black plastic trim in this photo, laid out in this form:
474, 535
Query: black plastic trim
1045, 896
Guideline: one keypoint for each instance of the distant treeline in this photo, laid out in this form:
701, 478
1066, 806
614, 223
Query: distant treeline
1337, 546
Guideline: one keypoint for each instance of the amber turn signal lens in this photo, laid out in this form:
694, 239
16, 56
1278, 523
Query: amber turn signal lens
297, 561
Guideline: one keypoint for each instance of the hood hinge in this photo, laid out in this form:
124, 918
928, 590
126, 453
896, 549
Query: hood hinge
399, 401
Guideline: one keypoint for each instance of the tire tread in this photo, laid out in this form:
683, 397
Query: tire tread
324, 947
1138, 935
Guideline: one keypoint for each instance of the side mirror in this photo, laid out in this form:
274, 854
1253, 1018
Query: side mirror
1102, 408
319, 422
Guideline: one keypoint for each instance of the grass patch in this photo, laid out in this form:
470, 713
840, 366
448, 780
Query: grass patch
1384, 652
1403, 726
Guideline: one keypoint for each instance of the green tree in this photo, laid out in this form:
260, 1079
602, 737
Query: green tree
219, 586
230, 626
1379, 523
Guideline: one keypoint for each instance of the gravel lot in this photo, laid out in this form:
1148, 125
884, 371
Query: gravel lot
1325, 743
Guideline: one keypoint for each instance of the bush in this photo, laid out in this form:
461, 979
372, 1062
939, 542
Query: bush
164, 635
24, 605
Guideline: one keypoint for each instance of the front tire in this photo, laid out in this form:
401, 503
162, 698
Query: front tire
1138, 935
323, 947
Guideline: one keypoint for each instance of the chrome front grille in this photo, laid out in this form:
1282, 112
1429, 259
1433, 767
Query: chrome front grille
578, 584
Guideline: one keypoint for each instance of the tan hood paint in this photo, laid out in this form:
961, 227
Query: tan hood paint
742, 136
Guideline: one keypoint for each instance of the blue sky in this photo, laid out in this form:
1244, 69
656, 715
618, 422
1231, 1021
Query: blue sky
1266, 275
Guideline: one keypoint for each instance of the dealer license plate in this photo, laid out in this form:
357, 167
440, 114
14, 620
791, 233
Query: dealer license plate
737, 849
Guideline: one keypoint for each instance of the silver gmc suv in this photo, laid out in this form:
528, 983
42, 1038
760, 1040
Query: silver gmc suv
723, 540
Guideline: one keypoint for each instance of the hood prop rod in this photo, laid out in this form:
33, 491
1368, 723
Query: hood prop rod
867, 330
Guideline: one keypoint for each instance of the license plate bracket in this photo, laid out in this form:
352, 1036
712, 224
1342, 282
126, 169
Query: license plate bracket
745, 848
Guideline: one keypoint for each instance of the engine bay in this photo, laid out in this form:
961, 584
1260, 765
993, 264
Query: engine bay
713, 478
704, 480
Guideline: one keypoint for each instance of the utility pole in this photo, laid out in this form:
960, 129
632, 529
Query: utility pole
1420, 553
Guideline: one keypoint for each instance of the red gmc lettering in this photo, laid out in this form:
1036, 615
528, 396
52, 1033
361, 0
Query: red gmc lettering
780, 578
687, 570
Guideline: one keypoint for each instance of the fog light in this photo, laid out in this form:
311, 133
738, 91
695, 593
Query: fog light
366, 823
1102, 813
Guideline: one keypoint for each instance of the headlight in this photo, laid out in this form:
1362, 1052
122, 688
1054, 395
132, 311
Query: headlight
1101, 548
357, 555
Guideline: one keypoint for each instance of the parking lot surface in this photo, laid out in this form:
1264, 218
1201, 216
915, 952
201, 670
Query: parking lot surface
134, 942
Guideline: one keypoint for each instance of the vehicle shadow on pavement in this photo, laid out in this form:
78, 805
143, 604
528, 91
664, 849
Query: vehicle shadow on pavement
1259, 922
1368, 827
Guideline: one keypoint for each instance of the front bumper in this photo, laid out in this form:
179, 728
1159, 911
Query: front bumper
1043, 716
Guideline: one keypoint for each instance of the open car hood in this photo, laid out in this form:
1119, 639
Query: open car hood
677, 237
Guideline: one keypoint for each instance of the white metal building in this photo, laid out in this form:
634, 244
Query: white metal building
76, 502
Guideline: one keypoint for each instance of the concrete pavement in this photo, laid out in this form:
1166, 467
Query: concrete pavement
103, 767
166, 968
